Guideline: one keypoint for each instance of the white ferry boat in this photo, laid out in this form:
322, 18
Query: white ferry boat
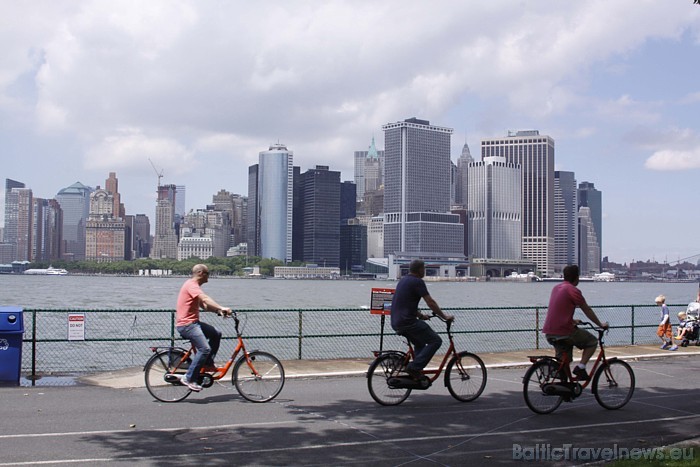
51, 271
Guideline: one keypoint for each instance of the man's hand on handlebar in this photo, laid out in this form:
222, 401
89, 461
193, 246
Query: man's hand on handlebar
225, 312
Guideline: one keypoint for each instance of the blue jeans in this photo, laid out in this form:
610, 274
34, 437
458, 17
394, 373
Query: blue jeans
206, 339
425, 343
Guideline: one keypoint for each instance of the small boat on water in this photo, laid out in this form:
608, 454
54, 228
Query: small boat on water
51, 271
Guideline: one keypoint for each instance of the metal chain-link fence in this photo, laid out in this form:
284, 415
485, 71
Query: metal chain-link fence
116, 339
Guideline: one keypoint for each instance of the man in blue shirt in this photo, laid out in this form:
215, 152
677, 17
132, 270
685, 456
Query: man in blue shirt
408, 321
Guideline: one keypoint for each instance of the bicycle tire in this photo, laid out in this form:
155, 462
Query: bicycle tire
616, 389
540, 373
261, 383
161, 364
378, 374
465, 376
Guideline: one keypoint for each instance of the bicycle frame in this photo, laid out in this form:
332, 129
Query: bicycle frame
220, 371
564, 363
432, 375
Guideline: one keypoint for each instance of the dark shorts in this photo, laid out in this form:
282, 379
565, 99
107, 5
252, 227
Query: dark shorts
580, 338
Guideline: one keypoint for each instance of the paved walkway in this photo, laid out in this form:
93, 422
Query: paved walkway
134, 378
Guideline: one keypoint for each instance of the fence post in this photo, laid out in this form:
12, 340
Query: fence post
632, 334
301, 332
172, 328
537, 328
34, 348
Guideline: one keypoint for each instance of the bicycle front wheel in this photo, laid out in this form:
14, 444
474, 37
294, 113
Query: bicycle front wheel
465, 376
162, 372
381, 369
613, 384
258, 378
536, 377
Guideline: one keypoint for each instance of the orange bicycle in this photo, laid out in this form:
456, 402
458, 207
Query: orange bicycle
465, 376
258, 376
549, 381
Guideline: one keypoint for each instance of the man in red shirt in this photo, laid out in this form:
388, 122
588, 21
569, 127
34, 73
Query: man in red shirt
204, 337
560, 326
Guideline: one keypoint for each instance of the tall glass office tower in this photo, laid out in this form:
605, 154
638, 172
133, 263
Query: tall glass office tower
494, 209
75, 202
270, 194
417, 216
535, 155
590, 197
565, 220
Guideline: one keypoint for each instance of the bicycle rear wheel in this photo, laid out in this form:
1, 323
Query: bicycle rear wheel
465, 376
540, 373
261, 380
162, 373
613, 384
381, 369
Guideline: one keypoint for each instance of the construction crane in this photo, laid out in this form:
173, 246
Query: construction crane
160, 174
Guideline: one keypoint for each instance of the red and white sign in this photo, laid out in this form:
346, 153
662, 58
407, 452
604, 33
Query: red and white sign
76, 327
381, 301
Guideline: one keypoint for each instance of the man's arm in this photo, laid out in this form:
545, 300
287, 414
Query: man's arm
588, 311
210, 304
432, 304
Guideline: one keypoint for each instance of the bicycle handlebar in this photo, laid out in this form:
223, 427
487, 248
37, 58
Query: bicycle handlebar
593, 326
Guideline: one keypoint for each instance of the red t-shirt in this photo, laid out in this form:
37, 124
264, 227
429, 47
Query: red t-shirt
187, 311
562, 304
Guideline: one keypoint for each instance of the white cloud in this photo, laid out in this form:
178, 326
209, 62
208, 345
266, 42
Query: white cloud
130, 150
669, 159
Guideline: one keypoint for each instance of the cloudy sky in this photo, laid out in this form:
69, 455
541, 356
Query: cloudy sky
201, 87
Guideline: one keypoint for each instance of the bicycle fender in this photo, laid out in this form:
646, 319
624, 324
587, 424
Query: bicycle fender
397, 353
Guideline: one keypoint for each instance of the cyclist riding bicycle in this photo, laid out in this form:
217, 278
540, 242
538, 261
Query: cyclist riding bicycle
204, 337
560, 326
408, 321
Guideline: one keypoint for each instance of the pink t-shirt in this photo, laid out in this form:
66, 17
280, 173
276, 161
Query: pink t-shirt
562, 304
187, 311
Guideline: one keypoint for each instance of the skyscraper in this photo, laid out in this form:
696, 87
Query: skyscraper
104, 233
10, 230
494, 209
320, 208
462, 180
417, 191
141, 236
565, 221
590, 197
369, 170
75, 203
270, 194
534, 153
165, 238
588, 247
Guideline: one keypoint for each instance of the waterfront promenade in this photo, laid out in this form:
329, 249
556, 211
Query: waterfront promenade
325, 416
134, 378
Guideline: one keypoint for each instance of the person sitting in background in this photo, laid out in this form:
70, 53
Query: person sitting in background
683, 327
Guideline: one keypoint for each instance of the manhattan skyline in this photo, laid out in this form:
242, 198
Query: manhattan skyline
90, 88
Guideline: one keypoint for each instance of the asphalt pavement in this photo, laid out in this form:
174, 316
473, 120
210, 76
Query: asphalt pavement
325, 416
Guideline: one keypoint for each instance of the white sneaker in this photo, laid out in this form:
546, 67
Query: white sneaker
190, 384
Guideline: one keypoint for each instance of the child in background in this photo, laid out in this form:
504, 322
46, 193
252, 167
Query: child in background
682, 329
664, 331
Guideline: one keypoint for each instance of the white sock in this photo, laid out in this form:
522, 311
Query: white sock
582, 366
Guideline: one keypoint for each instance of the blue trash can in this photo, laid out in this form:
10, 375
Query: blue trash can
11, 335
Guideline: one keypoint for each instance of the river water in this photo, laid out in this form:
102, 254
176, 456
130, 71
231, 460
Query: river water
118, 292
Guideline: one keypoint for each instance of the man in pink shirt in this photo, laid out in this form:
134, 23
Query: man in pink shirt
560, 326
204, 337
